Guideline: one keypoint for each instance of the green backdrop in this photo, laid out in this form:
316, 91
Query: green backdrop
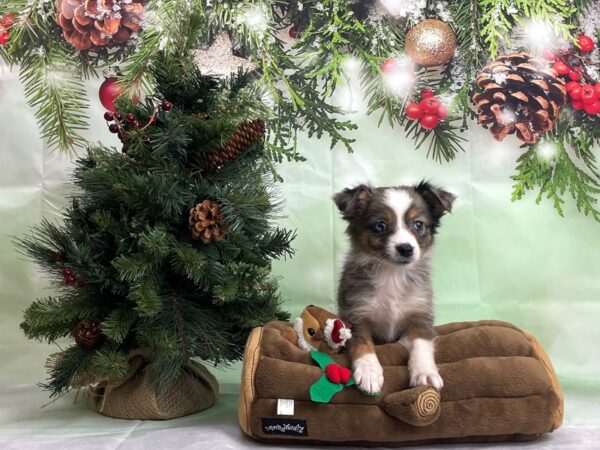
495, 259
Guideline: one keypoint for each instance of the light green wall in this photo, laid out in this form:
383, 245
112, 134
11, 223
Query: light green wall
495, 259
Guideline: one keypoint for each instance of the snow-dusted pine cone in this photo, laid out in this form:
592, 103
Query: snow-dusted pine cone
87, 333
94, 24
247, 134
519, 94
207, 223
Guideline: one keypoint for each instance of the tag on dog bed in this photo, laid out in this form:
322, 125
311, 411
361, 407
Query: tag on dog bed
285, 407
285, 427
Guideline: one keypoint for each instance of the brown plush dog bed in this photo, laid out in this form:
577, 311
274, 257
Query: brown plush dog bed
498, 385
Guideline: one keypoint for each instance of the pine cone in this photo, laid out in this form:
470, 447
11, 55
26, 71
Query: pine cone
87, 333
207, 223
519, 94
94, 24
247, 134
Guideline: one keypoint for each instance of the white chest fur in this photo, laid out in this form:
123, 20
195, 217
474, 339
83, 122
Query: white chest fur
394, 299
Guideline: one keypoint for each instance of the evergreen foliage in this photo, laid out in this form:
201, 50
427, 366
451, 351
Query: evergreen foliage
127, 241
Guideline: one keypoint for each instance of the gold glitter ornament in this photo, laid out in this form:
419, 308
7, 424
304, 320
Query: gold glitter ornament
431, 43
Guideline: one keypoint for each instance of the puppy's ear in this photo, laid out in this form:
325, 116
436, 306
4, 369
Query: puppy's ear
438, 200
353, 201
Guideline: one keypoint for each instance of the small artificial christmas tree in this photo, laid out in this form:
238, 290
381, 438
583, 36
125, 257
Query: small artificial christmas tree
156, 251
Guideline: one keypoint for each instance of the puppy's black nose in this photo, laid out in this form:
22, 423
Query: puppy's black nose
405, 250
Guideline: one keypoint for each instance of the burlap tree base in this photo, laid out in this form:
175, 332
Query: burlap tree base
135, 396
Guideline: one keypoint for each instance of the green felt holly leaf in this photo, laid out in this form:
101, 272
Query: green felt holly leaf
322, 359
323, 390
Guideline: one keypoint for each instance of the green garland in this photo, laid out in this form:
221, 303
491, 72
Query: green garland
301, 76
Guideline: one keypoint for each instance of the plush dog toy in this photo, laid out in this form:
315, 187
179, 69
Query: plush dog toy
319, 329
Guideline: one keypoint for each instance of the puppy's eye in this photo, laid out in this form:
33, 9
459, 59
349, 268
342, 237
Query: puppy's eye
311, 331
417, 225
380, 226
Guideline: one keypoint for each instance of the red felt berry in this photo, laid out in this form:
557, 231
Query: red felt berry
414, 111
442, 112
561, 68
586, 44
577, 104
345, 375
430, 105
573, 75
426, 93
575, 93
588, 93
293, 32
166, 106
67, 272
113, 128
549, 55
332, 371
429, 121
390, 65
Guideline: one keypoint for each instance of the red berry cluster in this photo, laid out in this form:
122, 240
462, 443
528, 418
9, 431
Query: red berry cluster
6, 23
584, 92
71, 279
584, 97
123, 126
429, 111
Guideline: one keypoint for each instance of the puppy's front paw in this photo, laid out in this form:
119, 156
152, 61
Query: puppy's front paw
429, 377
368, 374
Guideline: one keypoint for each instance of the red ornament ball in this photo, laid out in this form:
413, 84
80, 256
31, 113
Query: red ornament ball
586, 44
293, 32
429, 121
430, 105
389, 66
414, 111
109, 91
561, 68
